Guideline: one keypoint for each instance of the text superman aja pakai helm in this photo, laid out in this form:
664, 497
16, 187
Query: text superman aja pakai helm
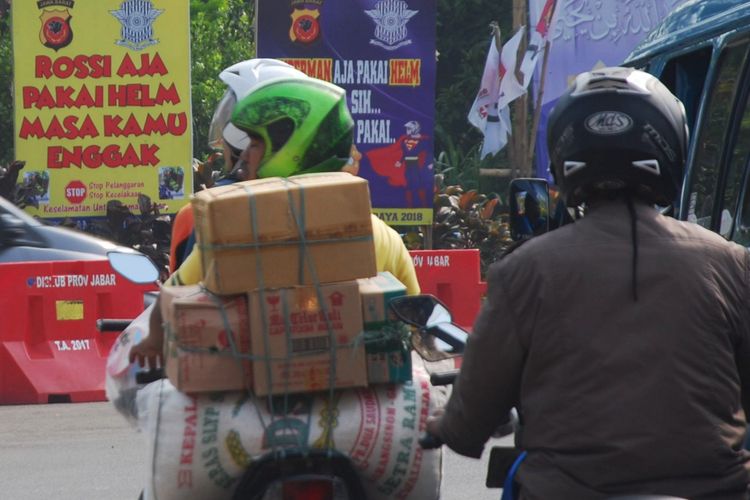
614, 129
304, 124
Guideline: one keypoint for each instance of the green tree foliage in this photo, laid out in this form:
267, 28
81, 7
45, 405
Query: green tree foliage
221, 34
463, 35
6, 88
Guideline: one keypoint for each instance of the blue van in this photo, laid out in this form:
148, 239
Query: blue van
701, 51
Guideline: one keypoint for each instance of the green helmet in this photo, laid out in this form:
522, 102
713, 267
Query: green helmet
304, 123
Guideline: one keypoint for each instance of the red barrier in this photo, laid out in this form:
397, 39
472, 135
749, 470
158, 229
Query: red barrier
50, 349
453, 276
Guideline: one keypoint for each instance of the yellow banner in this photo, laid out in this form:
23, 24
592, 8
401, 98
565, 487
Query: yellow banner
405, 216
102, 103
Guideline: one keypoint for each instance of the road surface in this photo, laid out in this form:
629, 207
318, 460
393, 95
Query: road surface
85, 451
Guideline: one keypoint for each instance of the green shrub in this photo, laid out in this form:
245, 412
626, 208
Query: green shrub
6, 90
221, 35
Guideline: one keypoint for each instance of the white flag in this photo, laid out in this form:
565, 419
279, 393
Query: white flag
488, 89
496, 131
537, 43
510, 88
483, 113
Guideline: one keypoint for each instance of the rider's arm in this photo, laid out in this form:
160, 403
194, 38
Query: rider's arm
391, 255
488, 385
182, 231
190, 272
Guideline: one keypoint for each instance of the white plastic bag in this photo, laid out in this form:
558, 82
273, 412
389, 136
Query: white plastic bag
120, 385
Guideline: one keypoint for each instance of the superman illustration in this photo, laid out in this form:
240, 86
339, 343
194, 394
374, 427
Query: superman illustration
404, 164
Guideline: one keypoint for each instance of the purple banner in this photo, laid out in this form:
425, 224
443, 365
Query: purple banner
383, 53
587, 34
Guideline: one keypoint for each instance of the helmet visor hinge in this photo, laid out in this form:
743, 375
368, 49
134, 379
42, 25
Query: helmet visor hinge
571, 167
650, 166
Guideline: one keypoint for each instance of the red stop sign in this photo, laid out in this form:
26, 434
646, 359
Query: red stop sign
75, 192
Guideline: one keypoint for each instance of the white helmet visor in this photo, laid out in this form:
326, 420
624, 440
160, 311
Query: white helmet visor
236, 139
222, 115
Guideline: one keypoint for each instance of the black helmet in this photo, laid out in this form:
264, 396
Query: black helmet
618, 128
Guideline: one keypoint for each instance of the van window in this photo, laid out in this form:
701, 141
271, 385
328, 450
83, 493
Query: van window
685, 76
741, 233
737, 170
712, 134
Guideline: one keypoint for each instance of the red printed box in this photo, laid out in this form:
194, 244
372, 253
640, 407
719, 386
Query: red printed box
307, 338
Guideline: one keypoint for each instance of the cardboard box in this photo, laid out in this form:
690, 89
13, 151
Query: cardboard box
376, 292
388, 356
387, 352
200, 328
292, 344
274, 232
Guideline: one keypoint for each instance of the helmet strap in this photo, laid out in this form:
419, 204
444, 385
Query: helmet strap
239, 169
634, 238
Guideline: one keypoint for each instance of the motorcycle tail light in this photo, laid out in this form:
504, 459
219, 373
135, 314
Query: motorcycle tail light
308, 489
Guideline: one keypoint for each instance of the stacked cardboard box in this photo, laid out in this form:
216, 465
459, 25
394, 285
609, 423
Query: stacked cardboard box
291, 251
302, 230
297, 333
207, 340
387, 352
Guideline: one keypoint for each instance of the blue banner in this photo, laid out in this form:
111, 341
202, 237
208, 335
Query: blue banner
588, 34
382, 52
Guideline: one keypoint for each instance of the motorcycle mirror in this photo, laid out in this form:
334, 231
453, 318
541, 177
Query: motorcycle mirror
529, 208
417, 310
136, 267
430, 348
438, 337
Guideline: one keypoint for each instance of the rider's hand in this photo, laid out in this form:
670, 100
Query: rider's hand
433, 422
149, 350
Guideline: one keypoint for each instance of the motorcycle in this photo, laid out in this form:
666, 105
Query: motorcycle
354, 443
441, 338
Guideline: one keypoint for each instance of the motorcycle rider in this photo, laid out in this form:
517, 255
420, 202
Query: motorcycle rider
623, 339
223, 137
270, 139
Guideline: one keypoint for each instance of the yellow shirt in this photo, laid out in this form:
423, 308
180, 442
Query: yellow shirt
390, 255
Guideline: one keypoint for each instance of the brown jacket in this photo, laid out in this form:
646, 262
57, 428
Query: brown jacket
615, 395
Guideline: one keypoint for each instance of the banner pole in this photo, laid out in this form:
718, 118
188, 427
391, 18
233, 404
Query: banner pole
538, 105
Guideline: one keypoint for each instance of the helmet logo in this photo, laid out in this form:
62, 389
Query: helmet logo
608, 123
656, 137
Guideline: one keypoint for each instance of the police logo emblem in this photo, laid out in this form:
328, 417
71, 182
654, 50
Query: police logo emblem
390, 18
305, 27
137, 18
55, 32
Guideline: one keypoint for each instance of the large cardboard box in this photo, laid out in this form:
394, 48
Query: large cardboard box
386, 340
266, 233
294, 332
204, 332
